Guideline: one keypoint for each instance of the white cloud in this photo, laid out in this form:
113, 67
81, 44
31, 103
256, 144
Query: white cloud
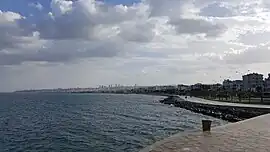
154, 41
259, 54
37, 6
11, 34
60, 7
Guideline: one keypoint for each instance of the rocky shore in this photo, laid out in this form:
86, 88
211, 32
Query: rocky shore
228, 113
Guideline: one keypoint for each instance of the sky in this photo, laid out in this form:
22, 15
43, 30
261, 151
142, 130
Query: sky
86, 43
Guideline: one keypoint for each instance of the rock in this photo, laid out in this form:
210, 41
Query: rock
228, 113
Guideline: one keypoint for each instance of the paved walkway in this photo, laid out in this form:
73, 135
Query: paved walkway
251, 135
200, 100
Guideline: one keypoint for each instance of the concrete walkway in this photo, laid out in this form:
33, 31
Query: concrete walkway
200, 100
252, 135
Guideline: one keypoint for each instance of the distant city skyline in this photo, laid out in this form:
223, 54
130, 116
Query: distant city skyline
249, 82
221, 81
86, 43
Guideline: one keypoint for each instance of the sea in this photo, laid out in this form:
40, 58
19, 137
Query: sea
65, 122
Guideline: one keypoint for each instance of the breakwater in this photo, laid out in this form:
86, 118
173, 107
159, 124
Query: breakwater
228, 113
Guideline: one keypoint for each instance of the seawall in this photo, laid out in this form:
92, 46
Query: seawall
229, 113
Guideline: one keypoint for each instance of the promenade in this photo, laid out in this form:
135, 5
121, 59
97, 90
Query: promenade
204, 101
252, 135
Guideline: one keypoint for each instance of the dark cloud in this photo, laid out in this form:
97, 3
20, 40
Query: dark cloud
197, 26
62, 51
216, 9
169, 8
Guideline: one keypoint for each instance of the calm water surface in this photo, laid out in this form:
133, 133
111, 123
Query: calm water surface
89, 122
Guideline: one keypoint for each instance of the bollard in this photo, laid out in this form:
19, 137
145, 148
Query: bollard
206, 125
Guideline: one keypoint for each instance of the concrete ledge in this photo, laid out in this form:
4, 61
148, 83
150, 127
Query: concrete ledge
249, 135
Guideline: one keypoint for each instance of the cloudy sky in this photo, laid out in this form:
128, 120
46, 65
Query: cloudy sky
84, 43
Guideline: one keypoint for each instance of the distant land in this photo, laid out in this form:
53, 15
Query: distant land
110, 89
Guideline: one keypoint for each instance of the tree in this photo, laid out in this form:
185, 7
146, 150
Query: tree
233, 93
239, 94
249, 96
259, 89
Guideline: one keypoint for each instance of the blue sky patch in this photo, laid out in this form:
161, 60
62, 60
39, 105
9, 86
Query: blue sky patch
23, 6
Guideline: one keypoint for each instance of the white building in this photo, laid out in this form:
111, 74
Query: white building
252, 81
